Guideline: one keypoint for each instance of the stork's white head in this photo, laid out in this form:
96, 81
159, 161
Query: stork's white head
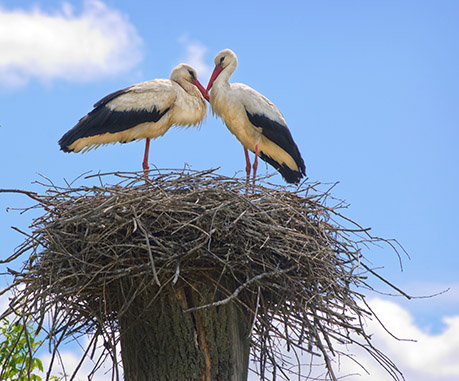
226, 59
185, 73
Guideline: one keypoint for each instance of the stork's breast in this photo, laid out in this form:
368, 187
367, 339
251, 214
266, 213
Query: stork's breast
189, 111
239, 125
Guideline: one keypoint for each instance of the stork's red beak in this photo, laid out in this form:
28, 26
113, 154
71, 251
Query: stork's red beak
201, 88
218, 69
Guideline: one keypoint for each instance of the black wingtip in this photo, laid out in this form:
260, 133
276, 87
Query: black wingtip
277, 132
66, 140
290, 176
65, 148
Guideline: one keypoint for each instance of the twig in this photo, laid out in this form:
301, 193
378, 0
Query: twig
292, 258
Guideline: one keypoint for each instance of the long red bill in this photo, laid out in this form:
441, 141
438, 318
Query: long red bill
201, 88
218, 69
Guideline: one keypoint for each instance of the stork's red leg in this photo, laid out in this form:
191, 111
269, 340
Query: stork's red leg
247, 166
145, 157
255, 163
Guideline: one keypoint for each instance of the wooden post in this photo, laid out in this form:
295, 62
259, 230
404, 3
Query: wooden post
159, 341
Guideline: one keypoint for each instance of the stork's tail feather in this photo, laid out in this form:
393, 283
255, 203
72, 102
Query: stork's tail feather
88, 126
290, 175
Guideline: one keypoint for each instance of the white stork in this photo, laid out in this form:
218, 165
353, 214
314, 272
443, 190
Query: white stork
254, 120
142, 111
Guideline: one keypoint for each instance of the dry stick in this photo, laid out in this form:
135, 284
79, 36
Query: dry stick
29, 347
239, 289
8, 311
33, 195
385, 281
82, 358
110, 342
139, 224
255, 313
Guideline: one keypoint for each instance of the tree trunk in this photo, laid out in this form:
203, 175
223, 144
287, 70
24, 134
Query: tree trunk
161, 342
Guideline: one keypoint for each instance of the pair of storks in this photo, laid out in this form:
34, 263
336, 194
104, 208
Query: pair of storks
148, 109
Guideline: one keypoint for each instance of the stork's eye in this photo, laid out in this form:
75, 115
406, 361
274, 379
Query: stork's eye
221, 60
192, 74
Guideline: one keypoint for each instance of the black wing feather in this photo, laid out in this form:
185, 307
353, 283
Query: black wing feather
280, 135
103, 119
291, 176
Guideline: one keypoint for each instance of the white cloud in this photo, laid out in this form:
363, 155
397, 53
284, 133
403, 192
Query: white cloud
421, 356
430, 357
99, 41
196, 57
68, 360
4, 301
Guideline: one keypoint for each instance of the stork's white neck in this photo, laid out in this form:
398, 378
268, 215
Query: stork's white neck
225, 75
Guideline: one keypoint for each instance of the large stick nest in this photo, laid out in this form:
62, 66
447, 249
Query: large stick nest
297, 261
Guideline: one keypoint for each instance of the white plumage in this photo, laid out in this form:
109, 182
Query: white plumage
142, 111
254, 120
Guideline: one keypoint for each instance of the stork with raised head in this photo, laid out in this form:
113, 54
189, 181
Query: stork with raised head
254, 120
142, 111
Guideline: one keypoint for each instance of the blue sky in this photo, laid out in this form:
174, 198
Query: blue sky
369, 90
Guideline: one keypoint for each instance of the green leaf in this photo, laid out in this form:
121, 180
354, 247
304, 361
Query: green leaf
18, 344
